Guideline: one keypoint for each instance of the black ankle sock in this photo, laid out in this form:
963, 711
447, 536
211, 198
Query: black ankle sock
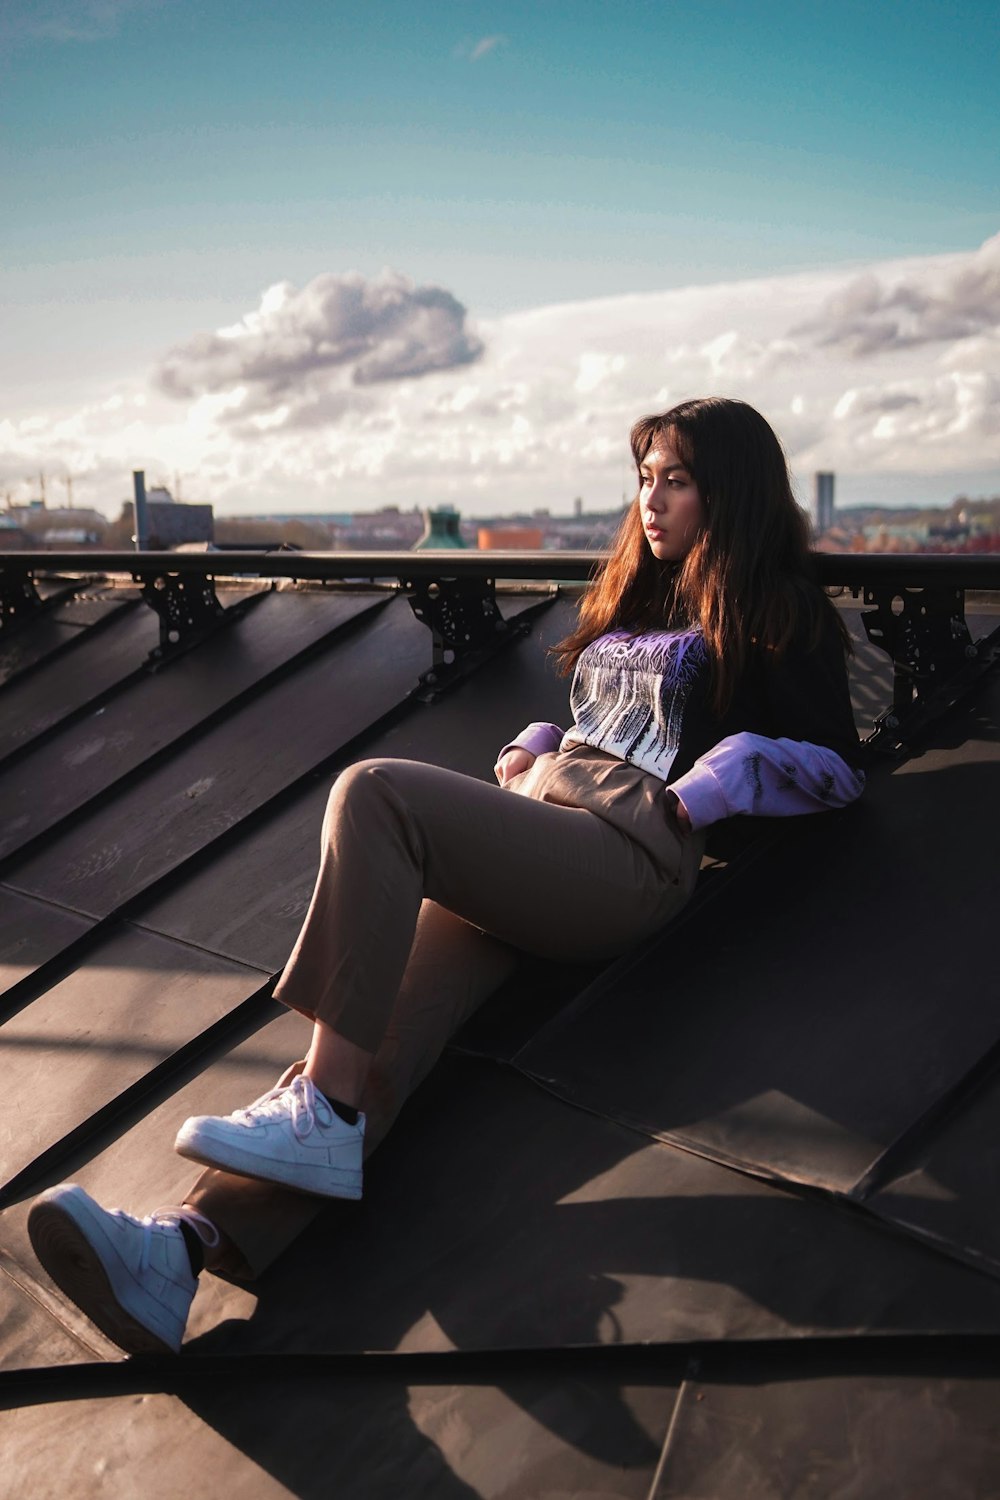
195, 1248
347, 1112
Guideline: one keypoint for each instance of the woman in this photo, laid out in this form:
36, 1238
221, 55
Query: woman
709, 679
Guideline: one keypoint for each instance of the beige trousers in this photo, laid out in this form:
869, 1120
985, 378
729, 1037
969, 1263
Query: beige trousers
430, 885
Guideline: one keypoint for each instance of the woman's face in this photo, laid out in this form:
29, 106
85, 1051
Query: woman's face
672, 509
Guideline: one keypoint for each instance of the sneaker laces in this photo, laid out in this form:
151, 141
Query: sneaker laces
298, 1099
171, 1217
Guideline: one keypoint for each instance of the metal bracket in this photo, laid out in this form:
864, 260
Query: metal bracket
464, 621
934, 658
18, 596
187, 607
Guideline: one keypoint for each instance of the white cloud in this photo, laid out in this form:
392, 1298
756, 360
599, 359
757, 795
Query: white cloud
876, 312
312, 399
305, 349
485, 46
594, 370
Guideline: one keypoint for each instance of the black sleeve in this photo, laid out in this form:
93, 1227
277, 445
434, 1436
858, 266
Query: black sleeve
808, 696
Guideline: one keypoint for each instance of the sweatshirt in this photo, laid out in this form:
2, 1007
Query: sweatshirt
786, 744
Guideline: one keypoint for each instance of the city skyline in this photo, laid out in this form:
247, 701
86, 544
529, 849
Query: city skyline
584, 216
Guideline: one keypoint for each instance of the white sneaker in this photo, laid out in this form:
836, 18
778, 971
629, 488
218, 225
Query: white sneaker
132, 1277
289, 1135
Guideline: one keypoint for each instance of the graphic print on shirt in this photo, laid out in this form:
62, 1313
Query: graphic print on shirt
629, 694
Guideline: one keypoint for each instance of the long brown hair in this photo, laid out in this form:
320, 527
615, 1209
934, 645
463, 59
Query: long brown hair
747, 579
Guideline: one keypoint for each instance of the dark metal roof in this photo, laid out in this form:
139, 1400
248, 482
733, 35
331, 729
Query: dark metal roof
747, 1244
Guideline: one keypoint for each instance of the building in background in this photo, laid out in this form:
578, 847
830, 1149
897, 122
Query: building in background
823, 511
171, 524
510, 538
442, 529
44, 528
13, 538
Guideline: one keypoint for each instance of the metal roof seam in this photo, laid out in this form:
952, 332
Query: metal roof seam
84, 634
120, 1113
135, 774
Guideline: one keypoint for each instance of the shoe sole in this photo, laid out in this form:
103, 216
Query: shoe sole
74, 1265
349, 1187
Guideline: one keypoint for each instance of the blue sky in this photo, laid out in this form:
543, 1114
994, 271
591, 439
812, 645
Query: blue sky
163, 162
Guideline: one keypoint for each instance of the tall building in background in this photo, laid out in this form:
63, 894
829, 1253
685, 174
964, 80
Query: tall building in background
823, 509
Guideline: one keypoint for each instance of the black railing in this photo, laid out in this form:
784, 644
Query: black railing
980, 571
914, 605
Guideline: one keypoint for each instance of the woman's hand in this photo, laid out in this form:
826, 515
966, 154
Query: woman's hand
680, 812
512, 763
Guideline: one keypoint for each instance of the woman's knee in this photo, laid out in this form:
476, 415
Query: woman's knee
364, 779
366, 796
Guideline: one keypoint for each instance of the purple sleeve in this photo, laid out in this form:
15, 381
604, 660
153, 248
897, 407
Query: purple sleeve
537, 739
749, 773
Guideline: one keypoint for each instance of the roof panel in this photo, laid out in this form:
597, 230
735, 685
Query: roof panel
93, 607
945, 1186
31, 933
128, 1007
24, 645
152, 1446
368, 1440
32, 1337
249, 900
138, 1168
92, 754
199, 793
834, 1438
34, 703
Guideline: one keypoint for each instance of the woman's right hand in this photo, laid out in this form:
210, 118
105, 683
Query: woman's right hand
511, 763
681, 815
